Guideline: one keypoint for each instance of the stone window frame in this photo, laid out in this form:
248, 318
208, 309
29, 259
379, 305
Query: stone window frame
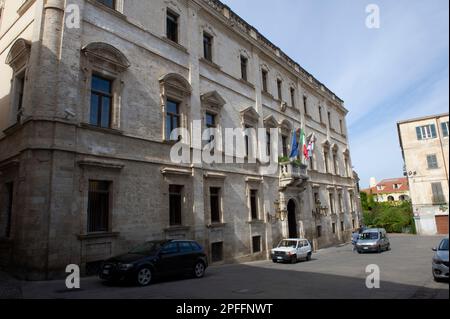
286, 128
118, 5
347, 163
174, 8
335, 159
100, 171
213, 103
175, 87
254, 185
18, 59
326, 147
264, 69
250, 118
214, 181
244, 54
271, 123
105, 60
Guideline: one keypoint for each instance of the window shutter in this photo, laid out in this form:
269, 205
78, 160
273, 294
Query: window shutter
419, 133
433, 131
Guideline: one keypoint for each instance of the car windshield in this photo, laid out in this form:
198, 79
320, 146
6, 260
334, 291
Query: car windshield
444, 245
369, 236
288, 243
147, 248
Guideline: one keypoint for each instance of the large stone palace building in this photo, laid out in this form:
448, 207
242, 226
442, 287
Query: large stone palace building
89, 93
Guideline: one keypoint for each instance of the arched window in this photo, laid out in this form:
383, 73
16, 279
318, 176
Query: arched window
17, 59
103, 66
391, 198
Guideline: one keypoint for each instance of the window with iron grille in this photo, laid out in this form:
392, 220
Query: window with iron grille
98, 206
432, 161
175, 202
256, 244
172, 26
101, 102
214, 193
216, 252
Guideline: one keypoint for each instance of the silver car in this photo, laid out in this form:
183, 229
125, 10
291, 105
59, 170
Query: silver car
440, 261
373, 240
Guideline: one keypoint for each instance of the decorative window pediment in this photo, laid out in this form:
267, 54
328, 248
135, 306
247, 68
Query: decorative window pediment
270, 122
286, 127
175, 84
346, 152
213, 99
250, 116
335, 148
19, 54
326, 144
106, 57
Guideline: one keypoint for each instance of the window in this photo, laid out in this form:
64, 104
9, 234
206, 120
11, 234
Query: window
438, 194
341, 126
264, 76
280, 89
98, 206
256, 244
335, 163
244, 66
333, 225
311, 163
207, 46
172, 26
175, 200
319, 231
19, 87
432, 161
331, 203
346, 167
268, 142
316, 198
210, 123
254, 204
247, 140
5, 220
352, 203
108, 3
101, 102
214, 194
320, 115
216, 252
284, 142
353, 224
426, 132
329, 120
171, 248
185, 247
341, 207
173, 117
342, 226
325, 156
444, 127
305, 104
292, 90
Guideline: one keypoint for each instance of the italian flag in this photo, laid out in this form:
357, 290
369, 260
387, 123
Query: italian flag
303, 144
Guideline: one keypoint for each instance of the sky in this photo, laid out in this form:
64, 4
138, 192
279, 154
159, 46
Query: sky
397, 72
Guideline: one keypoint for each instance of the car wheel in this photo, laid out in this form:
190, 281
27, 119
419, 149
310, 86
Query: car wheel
294, 259
144, 276
388, 248
379, 250
274, 261
359, 251
308, 257
199, 270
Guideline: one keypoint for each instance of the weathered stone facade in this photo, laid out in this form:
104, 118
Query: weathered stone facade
49, 152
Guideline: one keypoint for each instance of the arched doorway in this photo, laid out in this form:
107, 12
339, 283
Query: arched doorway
292, 220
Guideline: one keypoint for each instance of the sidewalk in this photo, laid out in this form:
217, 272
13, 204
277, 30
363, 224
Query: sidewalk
10, 288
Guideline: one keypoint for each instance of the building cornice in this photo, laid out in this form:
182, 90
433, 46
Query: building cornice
239, 25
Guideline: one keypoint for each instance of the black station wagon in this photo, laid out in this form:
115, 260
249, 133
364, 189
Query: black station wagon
155, 258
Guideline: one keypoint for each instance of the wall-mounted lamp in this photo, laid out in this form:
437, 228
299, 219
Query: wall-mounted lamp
280, 214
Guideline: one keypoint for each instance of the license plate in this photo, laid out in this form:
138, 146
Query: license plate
106, 272
366, 248
280, 258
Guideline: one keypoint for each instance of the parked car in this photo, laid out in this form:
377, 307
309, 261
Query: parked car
291, 250
156, 258
440, 261
373, 240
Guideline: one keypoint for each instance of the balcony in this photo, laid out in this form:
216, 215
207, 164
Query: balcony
292, 174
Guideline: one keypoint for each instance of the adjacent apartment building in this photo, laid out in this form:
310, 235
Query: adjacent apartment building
391, 190
424, 143
90, 91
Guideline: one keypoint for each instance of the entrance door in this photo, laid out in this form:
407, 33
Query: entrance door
293, 233
442, 225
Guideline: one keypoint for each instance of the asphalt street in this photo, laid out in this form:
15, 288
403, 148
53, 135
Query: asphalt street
338, 272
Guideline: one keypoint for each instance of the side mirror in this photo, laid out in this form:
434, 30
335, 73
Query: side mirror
434, 249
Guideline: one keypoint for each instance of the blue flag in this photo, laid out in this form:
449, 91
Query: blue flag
294, 146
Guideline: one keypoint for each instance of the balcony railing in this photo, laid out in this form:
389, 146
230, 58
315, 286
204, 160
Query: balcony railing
292, 174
